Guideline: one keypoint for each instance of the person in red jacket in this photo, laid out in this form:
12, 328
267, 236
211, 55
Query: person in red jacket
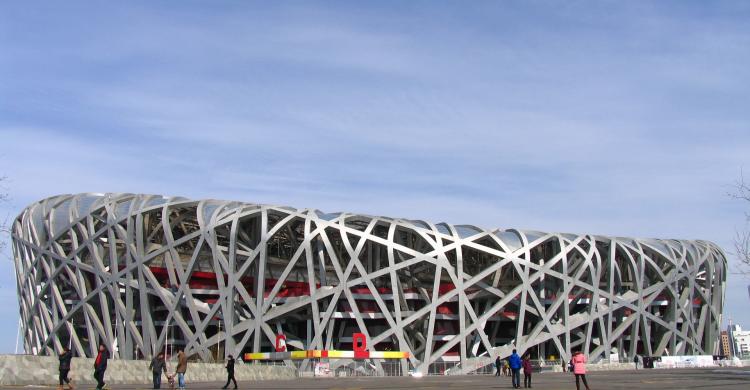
100, 365
579, 369
527, 369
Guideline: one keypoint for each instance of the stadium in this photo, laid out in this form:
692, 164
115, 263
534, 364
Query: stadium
146, 273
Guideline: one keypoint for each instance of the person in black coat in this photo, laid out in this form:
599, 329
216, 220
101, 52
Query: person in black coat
157, 366
65, 358
498, 365
230, 372
100, 365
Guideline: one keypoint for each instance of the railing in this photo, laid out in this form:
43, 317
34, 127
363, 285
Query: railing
369, 368
440, 368
379, 368
267, 363
349, 368
383, 368
489, 369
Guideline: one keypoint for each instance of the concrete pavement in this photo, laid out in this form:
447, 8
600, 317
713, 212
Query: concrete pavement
664, 379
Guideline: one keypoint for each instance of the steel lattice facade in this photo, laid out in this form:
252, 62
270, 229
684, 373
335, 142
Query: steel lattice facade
139, 272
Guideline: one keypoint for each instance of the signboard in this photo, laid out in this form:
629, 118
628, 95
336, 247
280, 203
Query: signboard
326, 354
280, 343
359, 346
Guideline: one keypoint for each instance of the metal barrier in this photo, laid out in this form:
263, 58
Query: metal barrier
386, 367
373, 367
489, 368
390, 367
267, 363
440, 368
350, 367
370, 368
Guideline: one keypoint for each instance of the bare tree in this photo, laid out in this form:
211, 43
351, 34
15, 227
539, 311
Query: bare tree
742, 237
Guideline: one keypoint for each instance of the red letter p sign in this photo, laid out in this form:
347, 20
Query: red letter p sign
359, 344
280, 343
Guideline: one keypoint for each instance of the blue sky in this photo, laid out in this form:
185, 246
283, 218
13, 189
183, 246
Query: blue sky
621, 118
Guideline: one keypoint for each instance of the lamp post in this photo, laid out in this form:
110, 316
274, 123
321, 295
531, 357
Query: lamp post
170, 329
18, 334
218, 340
73, 330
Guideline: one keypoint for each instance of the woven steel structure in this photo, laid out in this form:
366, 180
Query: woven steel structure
141, 272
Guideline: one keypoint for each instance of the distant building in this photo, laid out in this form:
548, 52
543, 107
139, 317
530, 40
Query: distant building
730, 332
724, 348
739, 341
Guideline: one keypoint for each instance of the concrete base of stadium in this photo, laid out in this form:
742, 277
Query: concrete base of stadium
43, 370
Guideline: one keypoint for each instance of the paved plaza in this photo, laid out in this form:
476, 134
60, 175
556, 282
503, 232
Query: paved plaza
711, 378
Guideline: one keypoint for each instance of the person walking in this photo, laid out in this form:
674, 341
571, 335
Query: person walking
514, 361
230, 372
635, 360
498, 365
158, 366
527, 369
65, 358
100, 366
181, 369
579, 369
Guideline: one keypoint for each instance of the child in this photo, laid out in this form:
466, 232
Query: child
527, 369
170, 380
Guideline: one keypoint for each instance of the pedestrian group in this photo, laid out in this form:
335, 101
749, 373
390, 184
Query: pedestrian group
158, 367
508, 367
512, 367
514, 363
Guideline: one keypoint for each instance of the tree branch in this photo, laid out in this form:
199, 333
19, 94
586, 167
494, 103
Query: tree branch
742, 238
742, 250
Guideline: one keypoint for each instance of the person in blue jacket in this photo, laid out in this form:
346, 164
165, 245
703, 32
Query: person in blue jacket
514, 361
